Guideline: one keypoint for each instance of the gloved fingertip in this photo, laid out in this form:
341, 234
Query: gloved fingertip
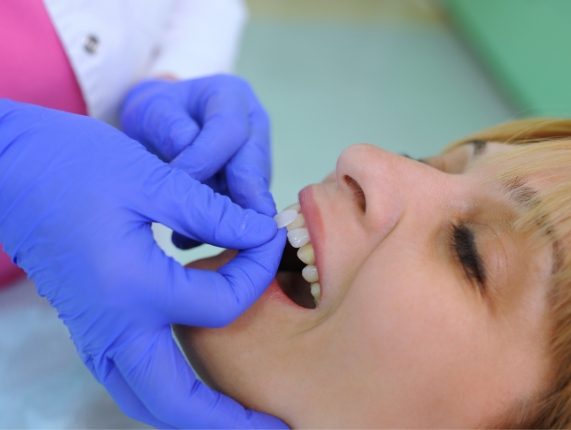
264, 205
267, 205
182, 242
260, 227
254, 196
183, 132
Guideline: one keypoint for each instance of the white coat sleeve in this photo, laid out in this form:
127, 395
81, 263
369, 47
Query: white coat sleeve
202, 37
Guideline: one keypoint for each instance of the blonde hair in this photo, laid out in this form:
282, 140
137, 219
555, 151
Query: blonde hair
544, 151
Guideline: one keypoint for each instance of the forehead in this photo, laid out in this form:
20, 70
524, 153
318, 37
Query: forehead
461, 157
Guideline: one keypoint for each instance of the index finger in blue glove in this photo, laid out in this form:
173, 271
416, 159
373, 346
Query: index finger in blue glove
248, 173
183, 401
191, 208
248, 176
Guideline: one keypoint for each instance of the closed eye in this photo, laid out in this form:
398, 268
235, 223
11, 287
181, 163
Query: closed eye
420, 160
462, 240
464, 247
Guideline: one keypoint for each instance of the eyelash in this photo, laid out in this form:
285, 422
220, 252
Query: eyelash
420, 160
464, 248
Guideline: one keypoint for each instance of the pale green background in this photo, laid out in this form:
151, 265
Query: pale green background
525, 46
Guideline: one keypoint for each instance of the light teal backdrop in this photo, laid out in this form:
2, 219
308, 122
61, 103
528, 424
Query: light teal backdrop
525, 45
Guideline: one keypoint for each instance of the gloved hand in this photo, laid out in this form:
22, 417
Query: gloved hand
77, 199
213, 128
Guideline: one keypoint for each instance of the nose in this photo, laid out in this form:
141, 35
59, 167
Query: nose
383, 185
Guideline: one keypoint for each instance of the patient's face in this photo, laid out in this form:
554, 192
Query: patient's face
420, 324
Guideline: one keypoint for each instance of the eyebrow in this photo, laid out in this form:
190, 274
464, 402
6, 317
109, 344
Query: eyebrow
479, 147
526, 197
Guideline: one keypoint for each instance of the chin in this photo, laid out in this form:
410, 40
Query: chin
248, 359
272, 357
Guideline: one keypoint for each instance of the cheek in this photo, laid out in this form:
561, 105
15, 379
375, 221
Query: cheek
416, 339
405, 319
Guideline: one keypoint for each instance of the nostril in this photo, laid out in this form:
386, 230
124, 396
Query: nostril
358, 193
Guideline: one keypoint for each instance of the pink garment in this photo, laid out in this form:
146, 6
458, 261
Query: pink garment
35, 69
9, 272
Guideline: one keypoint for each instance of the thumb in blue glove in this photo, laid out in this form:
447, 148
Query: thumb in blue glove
213, 128
77, 199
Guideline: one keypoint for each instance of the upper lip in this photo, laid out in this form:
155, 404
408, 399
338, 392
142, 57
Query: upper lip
314, 225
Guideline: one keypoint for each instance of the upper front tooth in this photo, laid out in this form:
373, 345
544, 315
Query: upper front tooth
315, 290
297, 223
306, 254
298, 237
286, 217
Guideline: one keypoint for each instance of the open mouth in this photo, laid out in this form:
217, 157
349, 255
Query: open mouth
297, 274
291, 281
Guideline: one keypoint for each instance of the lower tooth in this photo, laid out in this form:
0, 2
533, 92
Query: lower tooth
309, 273
306, 254
316, 292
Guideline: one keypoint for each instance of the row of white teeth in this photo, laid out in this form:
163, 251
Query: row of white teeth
298, 237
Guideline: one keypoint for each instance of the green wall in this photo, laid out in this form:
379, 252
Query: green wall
525, 45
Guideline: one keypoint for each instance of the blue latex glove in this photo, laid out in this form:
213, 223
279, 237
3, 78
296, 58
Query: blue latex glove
213, 128
77, 198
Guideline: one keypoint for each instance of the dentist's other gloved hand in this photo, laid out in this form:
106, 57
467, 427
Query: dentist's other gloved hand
77, 198
213, 128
